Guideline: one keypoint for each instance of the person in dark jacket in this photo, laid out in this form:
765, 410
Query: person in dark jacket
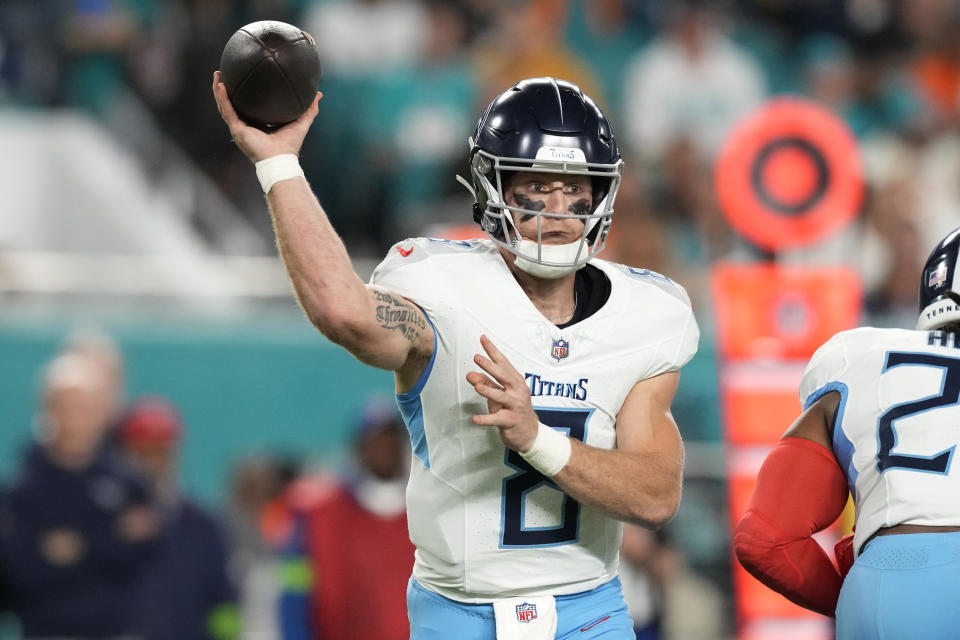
77, 529
187, 593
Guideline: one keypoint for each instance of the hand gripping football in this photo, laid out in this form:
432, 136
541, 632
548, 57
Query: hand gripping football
271, 71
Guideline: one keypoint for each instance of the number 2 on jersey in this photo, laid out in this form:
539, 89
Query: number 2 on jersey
949, 395
516, 490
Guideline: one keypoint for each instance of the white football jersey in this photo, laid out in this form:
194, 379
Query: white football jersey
897, 425
485, 524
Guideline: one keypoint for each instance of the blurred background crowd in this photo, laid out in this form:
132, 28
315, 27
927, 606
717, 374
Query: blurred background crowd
127, 208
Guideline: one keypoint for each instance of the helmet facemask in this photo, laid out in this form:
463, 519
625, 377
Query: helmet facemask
490, 173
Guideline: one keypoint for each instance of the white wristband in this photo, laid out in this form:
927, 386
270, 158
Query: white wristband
550, 451
273, 170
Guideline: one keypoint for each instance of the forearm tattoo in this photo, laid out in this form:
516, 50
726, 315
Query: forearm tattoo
395, 314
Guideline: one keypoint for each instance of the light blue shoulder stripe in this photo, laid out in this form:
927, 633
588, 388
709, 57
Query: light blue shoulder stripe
411, 408
660, 281
842, 446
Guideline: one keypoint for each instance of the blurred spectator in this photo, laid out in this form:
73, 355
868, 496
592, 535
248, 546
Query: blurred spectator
827, 71
936, 168
365, 37
8, 624
96, 38
665, 597
361, 43
99, 349
891, 218
873, 94
415, 125
683, 197
6, 595
656, 239
641, 590
255, 483
78, 533
934, 27
186, 593
172, 68
351, 542
690, 82
527, 40
605, 33
937, 73
693, 606
29, 57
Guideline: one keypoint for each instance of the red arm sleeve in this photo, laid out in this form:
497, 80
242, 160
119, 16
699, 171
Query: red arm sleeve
843, 551
800, 490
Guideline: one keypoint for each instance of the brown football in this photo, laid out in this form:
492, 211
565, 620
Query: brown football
271, 71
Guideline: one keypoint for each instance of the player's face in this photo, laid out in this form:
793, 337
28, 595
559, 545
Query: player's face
550, 193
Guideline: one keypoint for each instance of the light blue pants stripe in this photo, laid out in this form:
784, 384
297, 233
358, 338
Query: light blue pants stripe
903, 587
434, 617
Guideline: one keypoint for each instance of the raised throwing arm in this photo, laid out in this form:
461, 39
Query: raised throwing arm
379, 328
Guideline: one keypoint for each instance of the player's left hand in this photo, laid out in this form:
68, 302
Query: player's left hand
508, 398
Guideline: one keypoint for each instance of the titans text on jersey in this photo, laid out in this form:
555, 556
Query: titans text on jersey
541, 387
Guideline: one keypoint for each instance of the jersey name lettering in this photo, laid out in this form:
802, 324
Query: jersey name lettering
540, 387
942, 339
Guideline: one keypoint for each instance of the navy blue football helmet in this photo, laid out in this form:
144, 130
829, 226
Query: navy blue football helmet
940, 285
548, 126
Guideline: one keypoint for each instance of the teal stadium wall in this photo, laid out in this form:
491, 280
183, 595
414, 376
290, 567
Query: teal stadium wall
274, 386
243, 388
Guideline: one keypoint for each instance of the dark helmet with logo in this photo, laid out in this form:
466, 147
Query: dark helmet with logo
547, 126
940, 285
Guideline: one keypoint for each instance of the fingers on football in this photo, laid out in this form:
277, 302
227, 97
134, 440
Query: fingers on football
223, 101
301, 124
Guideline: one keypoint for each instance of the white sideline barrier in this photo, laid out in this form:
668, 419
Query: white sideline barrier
78, 217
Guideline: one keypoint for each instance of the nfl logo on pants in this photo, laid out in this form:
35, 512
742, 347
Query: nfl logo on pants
526, 612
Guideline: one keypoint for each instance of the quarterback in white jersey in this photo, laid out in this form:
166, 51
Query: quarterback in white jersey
882, 415
485, 524
535, 380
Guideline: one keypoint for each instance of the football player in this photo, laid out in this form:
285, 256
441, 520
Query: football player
882, 421
535, 380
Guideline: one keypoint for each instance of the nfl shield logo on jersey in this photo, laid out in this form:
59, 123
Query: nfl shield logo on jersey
561, 349
526, 612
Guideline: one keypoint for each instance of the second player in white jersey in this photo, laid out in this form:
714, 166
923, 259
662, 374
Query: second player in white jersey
881, 411
895, 431
485, 524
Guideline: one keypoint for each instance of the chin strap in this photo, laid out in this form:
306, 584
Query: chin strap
531, 258
469, 186
543, 270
